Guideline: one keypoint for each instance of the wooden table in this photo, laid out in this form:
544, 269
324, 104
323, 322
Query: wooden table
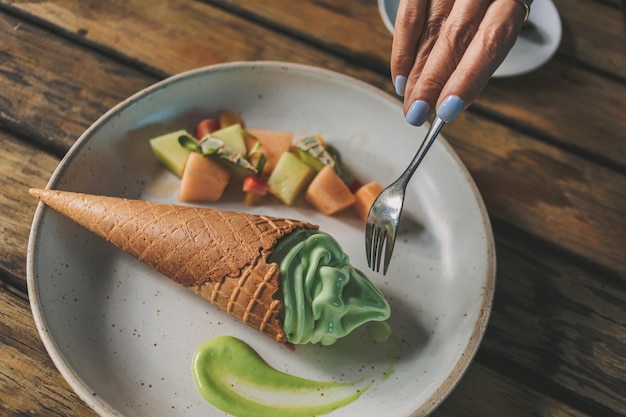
547, 150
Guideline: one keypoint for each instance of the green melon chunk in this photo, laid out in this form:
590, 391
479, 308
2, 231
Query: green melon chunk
167, 150
289, 178
232, 136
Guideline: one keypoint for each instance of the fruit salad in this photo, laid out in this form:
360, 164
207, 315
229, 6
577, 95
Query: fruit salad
268, 164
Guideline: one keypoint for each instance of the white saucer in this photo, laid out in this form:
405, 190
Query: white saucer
526, 55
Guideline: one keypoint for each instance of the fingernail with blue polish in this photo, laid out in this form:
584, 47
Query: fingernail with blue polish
418, 112
450, 107
400, 85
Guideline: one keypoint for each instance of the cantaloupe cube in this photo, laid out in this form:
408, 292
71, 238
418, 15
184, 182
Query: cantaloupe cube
328, 193
273, 144
365, 197
203, 180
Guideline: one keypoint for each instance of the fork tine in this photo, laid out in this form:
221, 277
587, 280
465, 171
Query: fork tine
391, 241
380, 242
374, 247
368, 243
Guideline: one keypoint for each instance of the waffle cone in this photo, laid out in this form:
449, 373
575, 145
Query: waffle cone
221, 255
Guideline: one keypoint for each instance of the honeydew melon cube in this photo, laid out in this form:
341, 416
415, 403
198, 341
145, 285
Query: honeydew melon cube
232, 136
289, 178
167, 150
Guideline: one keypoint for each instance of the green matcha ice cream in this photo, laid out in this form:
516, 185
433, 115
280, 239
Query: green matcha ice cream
324, 297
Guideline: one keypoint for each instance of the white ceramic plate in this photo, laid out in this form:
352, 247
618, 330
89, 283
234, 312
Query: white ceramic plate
123, 335
526, 55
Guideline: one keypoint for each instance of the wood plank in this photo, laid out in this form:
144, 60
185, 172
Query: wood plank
351, 28
593, 33
67, 104
576, 109
485, 392
557, 196
534, 102
30, 384
561, 323
195, 34
564, 199
22, 166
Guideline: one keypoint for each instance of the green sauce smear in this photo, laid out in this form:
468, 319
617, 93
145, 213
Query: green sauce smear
324, 296
229, 374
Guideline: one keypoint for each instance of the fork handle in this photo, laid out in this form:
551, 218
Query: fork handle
433, 131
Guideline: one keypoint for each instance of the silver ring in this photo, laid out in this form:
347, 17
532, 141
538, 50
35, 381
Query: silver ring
526, 5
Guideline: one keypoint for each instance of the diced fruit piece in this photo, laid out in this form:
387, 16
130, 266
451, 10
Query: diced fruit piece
167, 150
237, 164
229, 118
273, 144
328, 193
203, 180
289, 178
251, 199
255, 185
233, 160
355, 185
206, 127
233, 137
312, 151
365, 197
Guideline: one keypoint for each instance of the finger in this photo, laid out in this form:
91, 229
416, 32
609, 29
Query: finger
407, 31
495, 37
433, 67
436, 15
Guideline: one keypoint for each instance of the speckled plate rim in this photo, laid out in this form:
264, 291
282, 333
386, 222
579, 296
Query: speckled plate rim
101, 406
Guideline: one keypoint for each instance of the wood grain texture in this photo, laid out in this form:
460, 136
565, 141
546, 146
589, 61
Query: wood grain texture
22, 166
196, 35
561, 323
354, 29
30, 384
485, 392
594, 33
547, 151
593, 127
70, 94
558, 196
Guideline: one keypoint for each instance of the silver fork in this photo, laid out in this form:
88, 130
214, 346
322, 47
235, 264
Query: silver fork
384, 216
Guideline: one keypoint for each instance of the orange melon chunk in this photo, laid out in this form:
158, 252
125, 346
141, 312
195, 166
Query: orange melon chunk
365, 197
328, 193
203, 180
273, 144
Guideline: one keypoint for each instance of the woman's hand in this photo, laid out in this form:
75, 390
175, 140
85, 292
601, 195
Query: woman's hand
445, 51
